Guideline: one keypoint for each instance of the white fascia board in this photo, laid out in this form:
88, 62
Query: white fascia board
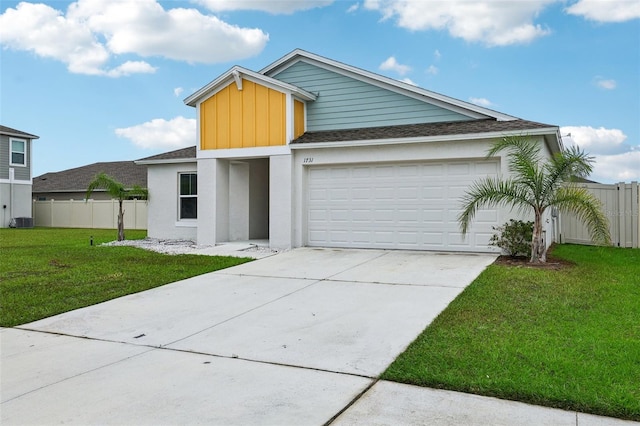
167, 161
452, 104
422, 139
21, 135
256, 152
239, 72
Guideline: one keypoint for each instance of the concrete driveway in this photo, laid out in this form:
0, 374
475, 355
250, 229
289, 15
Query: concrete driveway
289, 339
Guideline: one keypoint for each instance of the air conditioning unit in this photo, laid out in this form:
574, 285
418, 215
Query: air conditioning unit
21, 222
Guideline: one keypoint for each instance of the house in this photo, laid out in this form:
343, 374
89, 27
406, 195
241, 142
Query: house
15, 177
310, 151
72, 184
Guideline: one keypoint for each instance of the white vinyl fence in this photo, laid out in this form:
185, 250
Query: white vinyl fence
91, 214
621, 204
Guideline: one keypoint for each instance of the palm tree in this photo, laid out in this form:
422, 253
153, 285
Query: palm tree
536, 185
118, 191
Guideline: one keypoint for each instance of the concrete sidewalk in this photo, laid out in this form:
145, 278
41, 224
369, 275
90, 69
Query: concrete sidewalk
296, 338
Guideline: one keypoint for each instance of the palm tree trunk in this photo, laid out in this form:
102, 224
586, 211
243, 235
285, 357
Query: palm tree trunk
120, 221
538, 248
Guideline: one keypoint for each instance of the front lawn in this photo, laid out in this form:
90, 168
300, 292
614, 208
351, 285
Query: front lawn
567, 338
47, 271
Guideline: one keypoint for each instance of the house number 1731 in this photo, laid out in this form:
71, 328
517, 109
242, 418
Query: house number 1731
308, 160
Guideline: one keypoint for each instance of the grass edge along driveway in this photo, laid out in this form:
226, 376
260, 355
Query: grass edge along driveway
566, 338
48, 271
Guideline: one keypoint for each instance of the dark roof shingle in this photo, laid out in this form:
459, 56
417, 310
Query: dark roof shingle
421, 130
77, 179
13, 132
178, 154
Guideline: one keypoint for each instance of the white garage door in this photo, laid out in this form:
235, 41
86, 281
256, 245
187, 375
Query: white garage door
396, 205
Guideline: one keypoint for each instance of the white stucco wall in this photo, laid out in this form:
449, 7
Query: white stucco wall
163, 210
17, 199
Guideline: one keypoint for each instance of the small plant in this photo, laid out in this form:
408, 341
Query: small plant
514, 237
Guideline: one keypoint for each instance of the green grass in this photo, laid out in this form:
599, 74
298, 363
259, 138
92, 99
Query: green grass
565, 338
47, 271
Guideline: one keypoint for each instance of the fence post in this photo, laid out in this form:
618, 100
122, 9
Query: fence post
635, 215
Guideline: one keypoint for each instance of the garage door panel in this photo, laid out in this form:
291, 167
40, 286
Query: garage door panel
459, 169
318, 194
433, 216
411, 205
318, 216
482, 238
486, 216
486, 168
432, 169
405, 216
431, 193
382, 216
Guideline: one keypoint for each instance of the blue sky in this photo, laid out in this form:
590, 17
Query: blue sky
104, 80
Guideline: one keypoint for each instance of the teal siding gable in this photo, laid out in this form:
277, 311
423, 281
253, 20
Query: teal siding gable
347, 103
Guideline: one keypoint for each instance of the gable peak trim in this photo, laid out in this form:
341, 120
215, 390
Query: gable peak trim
237, 73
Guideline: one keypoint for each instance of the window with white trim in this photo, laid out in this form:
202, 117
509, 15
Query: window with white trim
188, 195
18, 152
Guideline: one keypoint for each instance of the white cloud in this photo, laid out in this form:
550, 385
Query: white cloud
178, 91
606, 11
92, 32
40, 29
437, 55
392, 65
495, 23
433, 70
131, 67
354, 7
481, 101
605, 84
623, 167
408, 81
615, 160
596, 140
274, 7
159, 133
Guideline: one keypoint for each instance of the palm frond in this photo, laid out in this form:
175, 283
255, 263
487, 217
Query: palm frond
523, 159
587, 208
104, 181
563, 167
491, 191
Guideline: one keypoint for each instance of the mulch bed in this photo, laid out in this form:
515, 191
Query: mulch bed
552, 263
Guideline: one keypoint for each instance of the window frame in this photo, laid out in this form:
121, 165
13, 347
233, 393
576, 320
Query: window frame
24, 152
187, 196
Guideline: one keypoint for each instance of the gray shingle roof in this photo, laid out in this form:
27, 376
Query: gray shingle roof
77, 180
13, 132
421, 130
183, 153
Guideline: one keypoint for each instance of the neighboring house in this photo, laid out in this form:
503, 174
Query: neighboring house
15, 177
313, 152
72, 184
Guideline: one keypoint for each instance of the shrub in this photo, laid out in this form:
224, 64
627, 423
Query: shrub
514, 237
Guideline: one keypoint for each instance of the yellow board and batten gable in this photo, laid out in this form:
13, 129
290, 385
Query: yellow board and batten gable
243, 113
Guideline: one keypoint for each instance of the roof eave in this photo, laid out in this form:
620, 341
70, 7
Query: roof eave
21, 135
167, 161
428, 139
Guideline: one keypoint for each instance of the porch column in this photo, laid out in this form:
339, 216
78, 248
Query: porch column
280, 201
